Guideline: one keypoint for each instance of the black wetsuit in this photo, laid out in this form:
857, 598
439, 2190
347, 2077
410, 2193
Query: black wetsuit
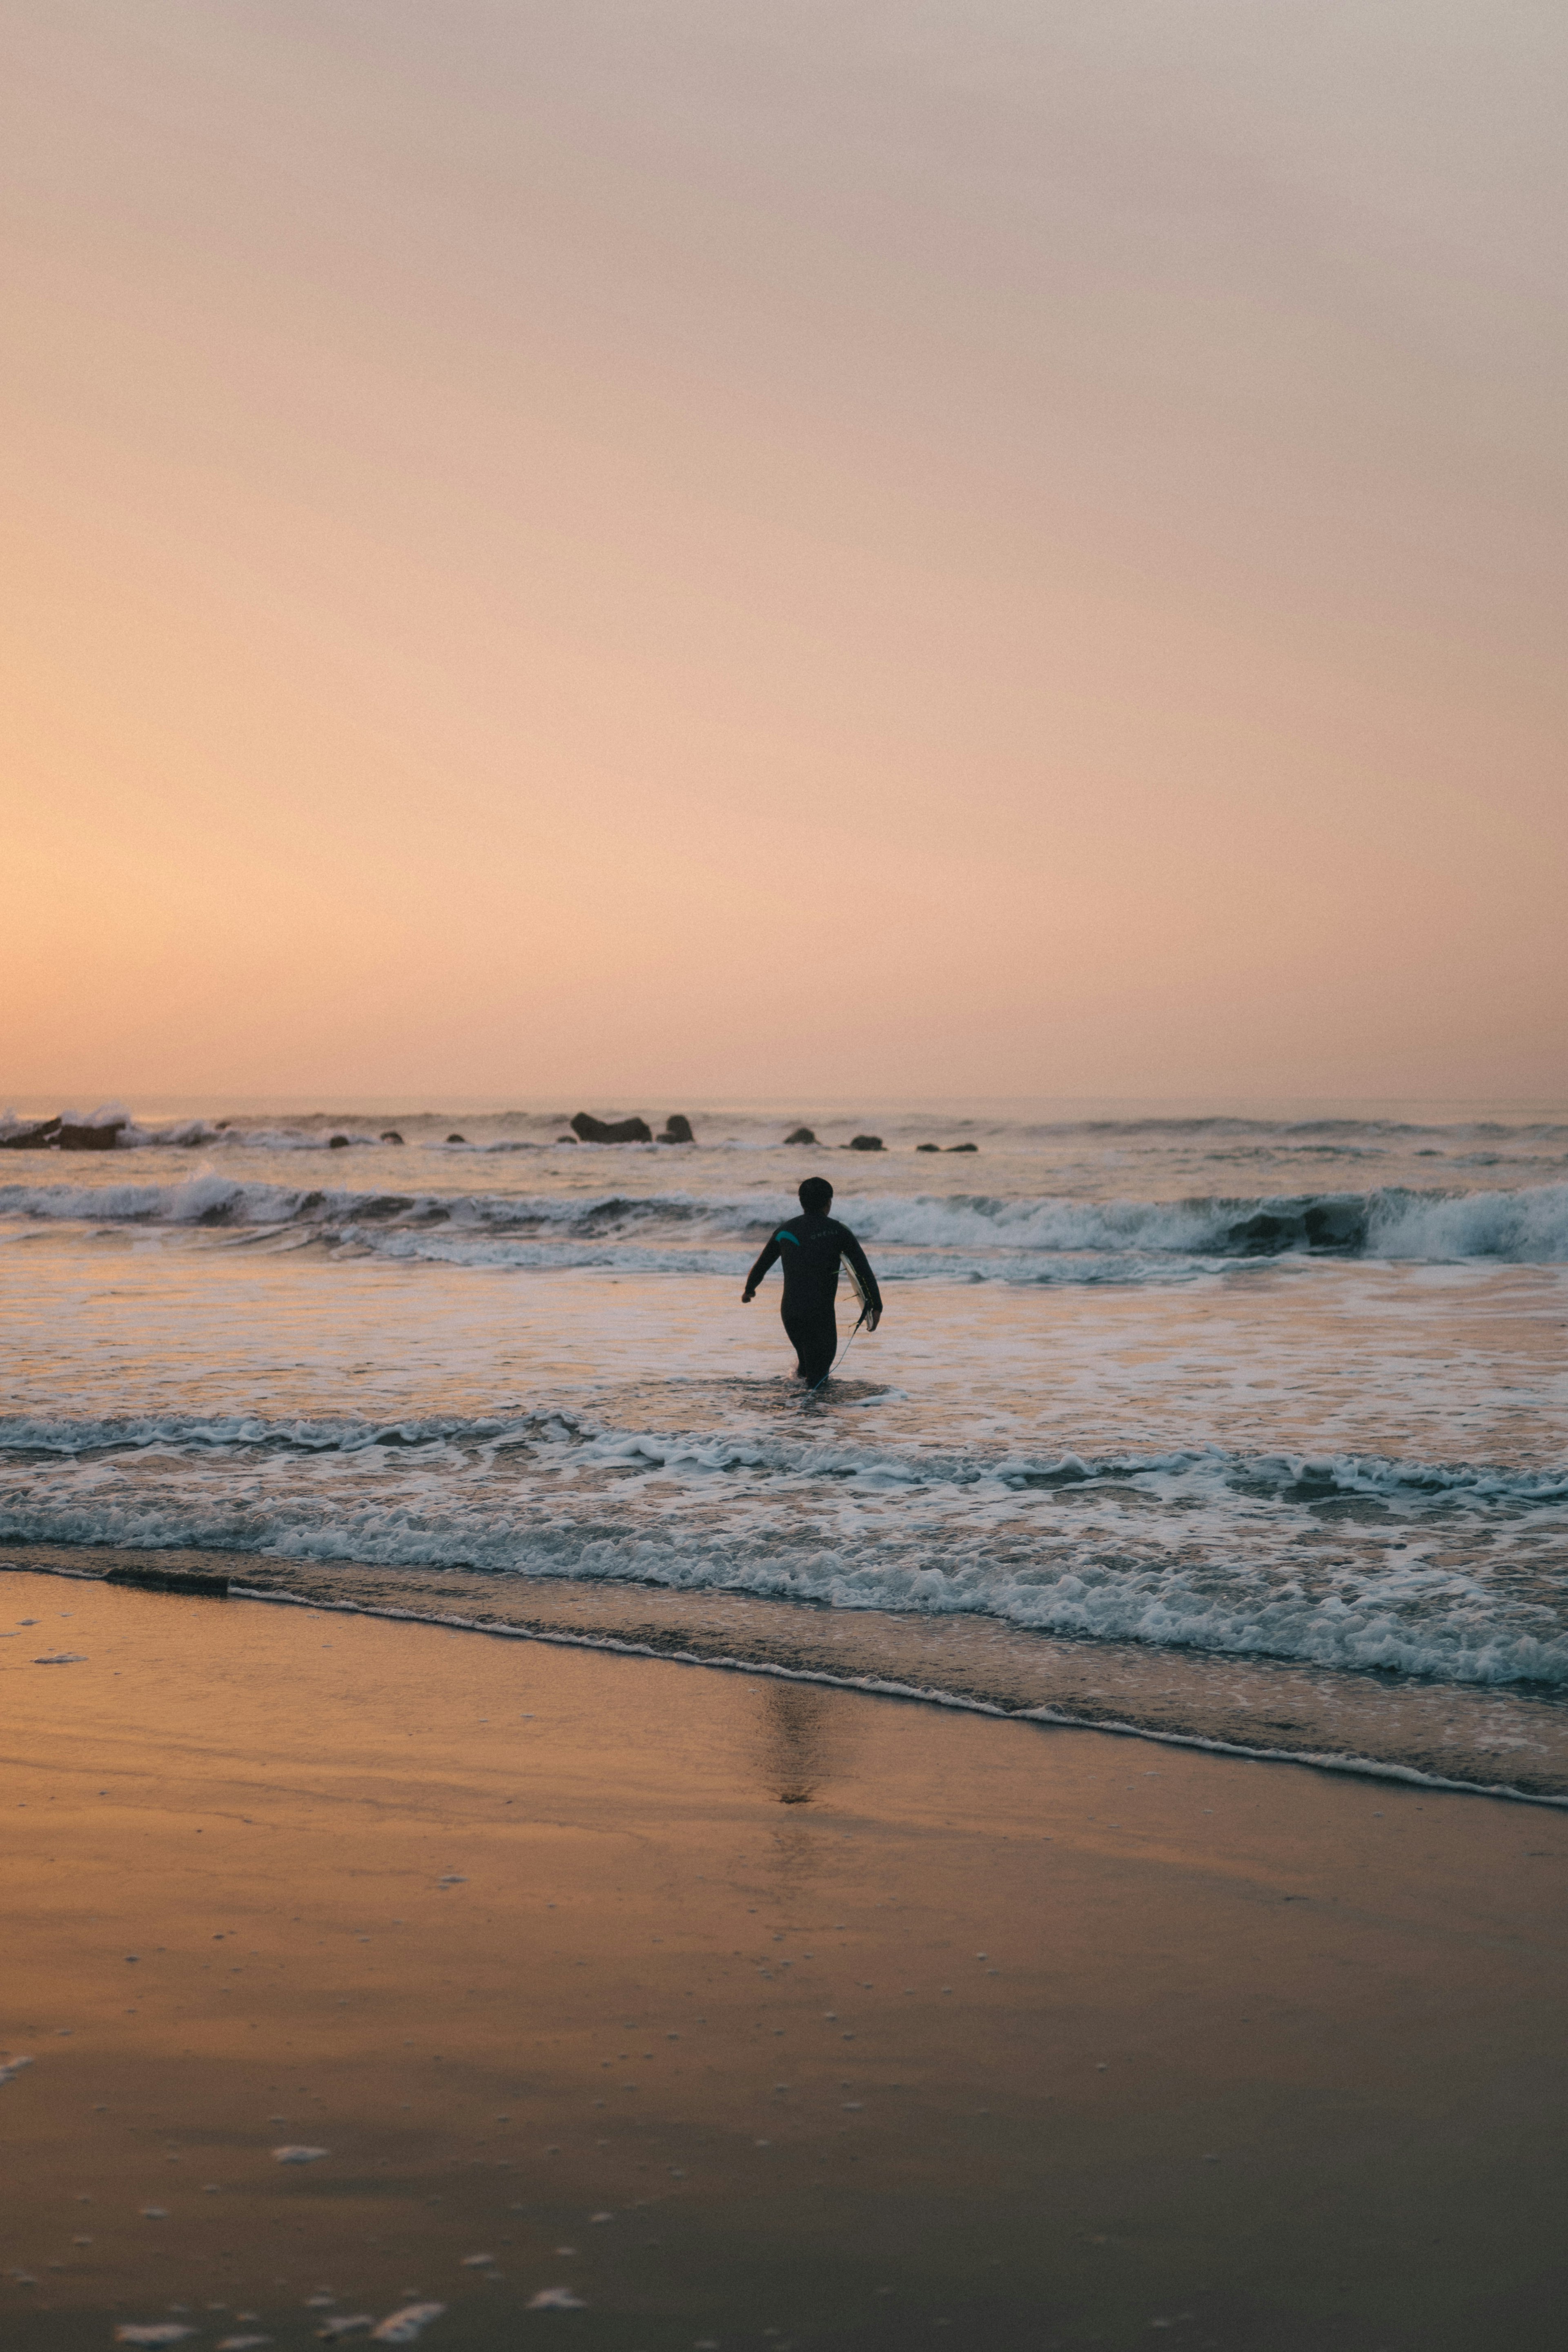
811, 1247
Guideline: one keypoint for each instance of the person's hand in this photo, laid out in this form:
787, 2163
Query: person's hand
747, 1297
873, 1317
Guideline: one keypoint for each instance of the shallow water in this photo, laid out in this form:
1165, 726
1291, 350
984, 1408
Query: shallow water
1104, 1403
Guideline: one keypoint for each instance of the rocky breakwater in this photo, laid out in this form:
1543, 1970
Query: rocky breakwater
589, 1129
99, 1132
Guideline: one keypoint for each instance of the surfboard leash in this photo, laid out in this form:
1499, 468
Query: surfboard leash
838, 1359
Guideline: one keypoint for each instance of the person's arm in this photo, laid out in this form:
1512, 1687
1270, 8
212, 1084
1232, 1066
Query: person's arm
857, 1259
774, 1248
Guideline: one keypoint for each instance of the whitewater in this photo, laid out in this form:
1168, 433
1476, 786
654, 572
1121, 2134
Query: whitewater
1201, 1393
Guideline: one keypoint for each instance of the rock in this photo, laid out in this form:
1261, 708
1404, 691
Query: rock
565, 1139
456, 1139
622, 1131
963, 1146
101, 1133
337, 1143
91, 1138
928, 1147
801, 1135
390, 1135
863, 1143
677, 1130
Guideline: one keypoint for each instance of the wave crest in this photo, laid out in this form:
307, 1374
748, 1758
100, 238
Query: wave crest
990, 1235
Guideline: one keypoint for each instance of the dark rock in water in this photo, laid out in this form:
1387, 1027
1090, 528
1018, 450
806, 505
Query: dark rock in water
565, 1139
91, 1138
34, 1139
456, 1139
801, 1135
621, 1131
864, 1143
677, 1130
963, 1146
928, 1147
390, 1135
337, 1143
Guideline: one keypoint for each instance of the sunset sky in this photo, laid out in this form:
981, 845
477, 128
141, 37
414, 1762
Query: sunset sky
696, 547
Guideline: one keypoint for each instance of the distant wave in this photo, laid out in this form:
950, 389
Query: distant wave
1323, 1129
978, 1235
446, 1131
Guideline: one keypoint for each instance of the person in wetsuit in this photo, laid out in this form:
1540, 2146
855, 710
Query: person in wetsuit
810, 1246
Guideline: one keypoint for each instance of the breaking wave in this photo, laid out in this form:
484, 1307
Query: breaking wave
983, 1235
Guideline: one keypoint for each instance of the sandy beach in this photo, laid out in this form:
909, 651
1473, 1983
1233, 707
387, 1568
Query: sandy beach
713, 2009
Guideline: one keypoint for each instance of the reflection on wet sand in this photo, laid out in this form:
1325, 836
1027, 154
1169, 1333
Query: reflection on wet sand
801, 1739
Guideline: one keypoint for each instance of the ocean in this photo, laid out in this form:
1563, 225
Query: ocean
1208, 1424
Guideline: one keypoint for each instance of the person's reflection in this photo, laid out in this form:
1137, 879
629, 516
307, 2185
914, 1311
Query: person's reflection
797, 1724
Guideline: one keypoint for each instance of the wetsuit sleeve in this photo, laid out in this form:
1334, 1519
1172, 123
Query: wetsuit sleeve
772, 1250
857, 1257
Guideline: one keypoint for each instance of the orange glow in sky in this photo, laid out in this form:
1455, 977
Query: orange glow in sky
685, 547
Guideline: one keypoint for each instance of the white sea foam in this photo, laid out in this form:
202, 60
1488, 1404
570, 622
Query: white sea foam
1524, 1226
594, 1442
1196, 1547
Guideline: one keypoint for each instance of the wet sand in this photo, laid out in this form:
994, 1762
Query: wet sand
801, 2017
1501, 1740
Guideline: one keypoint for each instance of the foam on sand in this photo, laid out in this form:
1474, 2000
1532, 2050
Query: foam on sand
406, 2325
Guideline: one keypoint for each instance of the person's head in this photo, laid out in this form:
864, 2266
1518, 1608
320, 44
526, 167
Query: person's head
816, 1196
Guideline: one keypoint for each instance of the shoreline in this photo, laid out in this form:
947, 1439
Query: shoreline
991, 1666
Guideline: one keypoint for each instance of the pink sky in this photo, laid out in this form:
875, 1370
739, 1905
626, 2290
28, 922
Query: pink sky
939, 547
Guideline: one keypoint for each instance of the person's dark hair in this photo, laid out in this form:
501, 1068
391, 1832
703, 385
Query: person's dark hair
817, 1195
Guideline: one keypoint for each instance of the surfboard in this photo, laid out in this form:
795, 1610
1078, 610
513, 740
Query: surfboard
858, 1289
